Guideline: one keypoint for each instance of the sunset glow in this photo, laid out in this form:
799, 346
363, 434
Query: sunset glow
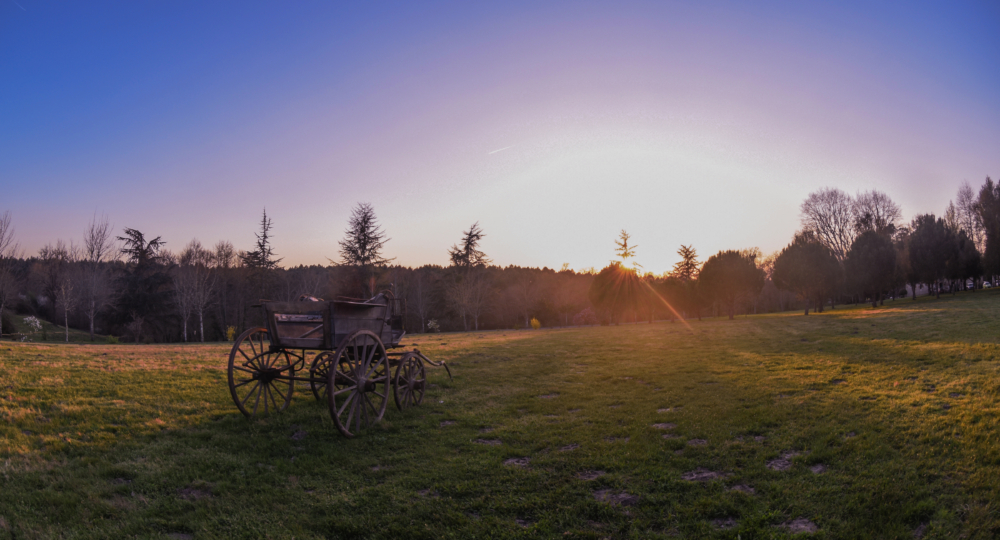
552, 126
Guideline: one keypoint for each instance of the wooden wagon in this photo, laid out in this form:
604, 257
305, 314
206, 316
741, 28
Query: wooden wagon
350, 368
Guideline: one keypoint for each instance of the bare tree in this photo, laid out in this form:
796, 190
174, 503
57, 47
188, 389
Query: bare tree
8, 254
829, 213
194, 284
60, 264
969, 218
98, 248
875, 211
421, 286
525, 294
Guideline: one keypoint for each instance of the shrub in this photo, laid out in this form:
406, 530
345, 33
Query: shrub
535, 323
111, 340
230, 333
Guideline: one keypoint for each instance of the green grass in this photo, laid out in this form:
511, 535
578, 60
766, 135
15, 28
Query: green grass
52, 333
899, 404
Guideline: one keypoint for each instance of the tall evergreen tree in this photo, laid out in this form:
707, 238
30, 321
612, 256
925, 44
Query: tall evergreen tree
871, 265
362, 247
143, 287
808, 268
731, 277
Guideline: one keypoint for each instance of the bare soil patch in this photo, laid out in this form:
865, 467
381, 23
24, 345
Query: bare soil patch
743, 488
697, 442
616, 439
489, 442
194, 493
569, 447
670, 436
727, 523
614, 499
549, 396
590, 475
447, 423
819, 468
517, 462
299, 435
700, 475
665, 425
799, 526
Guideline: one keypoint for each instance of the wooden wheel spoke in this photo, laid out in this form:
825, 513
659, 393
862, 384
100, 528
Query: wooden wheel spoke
243, 382
284, 398
255, 388
347, 401
243, 369
256, 401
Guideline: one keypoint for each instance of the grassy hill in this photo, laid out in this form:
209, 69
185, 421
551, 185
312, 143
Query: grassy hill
855, 423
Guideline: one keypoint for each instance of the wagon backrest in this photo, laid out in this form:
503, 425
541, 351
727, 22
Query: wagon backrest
350, 316
299, 325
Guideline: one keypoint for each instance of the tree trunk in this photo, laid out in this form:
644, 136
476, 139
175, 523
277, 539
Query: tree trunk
90, 315
201, 324
185, 329
66, 322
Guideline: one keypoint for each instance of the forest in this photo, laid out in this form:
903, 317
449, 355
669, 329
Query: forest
849, 249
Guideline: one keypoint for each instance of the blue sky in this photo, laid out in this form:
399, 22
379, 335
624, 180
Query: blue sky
552, 124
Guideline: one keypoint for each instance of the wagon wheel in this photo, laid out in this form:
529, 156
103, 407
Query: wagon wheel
408, 384
319, 373
359, 378
254, 372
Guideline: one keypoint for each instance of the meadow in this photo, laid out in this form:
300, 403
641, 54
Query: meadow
853, 423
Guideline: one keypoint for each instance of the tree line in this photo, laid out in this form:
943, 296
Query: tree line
849, 249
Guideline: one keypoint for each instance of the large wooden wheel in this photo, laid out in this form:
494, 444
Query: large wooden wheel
319, 373
358, 383
253, 374
409, 381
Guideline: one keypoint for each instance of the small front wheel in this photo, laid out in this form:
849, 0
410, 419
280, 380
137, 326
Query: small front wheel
409, 382
319, 373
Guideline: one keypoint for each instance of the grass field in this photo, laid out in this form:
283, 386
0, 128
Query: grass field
855, 423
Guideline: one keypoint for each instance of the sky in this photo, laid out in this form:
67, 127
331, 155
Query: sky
554, 125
